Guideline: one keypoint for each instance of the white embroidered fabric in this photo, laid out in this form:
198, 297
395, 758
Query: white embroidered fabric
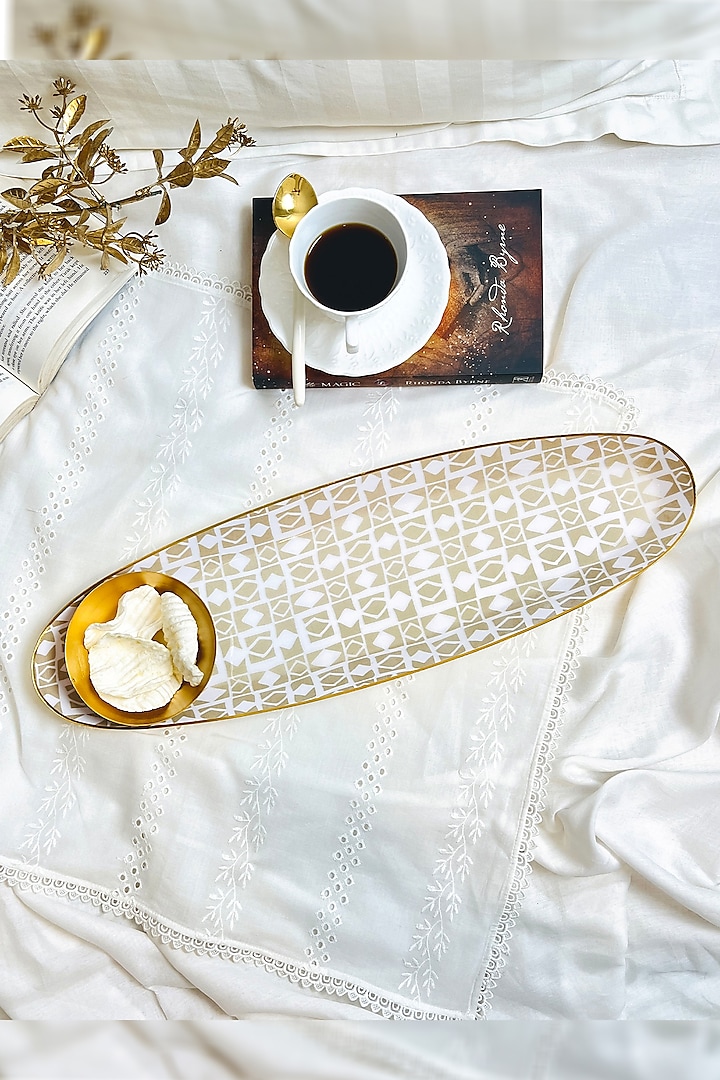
371, 854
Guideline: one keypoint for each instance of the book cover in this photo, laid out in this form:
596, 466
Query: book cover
492, 327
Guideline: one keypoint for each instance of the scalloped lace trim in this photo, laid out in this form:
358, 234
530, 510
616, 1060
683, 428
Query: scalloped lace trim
35, 880
533, 811
25, 877
309, 977
583, 387
584, 391
210, 283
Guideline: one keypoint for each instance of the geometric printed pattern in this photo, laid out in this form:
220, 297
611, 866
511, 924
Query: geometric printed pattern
385, 573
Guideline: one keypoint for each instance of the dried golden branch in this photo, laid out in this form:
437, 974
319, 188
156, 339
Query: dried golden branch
66, 204
81, 36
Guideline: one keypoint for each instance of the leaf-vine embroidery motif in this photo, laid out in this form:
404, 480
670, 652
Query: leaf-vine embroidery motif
197, 383
59, 796
256, 803
374, 437
476, 788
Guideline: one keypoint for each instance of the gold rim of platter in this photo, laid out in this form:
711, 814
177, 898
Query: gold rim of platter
100, 605
149, 719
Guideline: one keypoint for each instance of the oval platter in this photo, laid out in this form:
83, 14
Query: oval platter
392, 571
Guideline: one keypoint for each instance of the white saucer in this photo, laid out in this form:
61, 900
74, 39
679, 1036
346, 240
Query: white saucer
390, 335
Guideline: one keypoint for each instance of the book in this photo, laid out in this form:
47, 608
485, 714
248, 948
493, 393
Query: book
41, 319
492, 327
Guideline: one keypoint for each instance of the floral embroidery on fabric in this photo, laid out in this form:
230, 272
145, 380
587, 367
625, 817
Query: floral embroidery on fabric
477, 424
477, 780
257, 802
67, 480
60, 795
197, 383
374, 433
161, 930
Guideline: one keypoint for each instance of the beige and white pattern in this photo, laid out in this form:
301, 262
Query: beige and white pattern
400, 568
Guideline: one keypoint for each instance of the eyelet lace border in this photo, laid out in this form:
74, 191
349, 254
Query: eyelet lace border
152, 923
24, 878
39, 882
532, 813
210, 283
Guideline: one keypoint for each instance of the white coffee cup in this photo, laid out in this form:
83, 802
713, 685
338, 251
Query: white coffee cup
339, 238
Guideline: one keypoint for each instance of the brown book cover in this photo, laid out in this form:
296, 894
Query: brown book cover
492, 327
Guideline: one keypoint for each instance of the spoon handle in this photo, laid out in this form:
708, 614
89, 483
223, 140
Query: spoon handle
298, 349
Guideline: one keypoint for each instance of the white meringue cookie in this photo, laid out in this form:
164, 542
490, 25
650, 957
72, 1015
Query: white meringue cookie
131, 673
181, 636
138, 614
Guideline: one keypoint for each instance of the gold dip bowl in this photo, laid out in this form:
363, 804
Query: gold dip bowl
100, 605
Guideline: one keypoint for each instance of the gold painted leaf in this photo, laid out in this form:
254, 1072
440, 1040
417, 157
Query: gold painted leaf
181, 175
17, 196
133, 244
194, 140
159, 158
164, 210
113, 227
45, 198
52, 183
38, 155
37, 232
12, 267
54, 263
87, 133
210, 166
221, 140
21, 143
116, 253
73, 111
95, 42
88, 151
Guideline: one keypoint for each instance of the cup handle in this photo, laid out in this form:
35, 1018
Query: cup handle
352, 337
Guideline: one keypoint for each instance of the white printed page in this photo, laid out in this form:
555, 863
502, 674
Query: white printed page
36, 316
16, 400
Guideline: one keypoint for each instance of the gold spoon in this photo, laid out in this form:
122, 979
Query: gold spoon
292, 200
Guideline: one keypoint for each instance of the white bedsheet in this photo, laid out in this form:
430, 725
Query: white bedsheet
527, 29
185, 873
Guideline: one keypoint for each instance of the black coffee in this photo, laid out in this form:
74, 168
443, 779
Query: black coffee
350, 267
